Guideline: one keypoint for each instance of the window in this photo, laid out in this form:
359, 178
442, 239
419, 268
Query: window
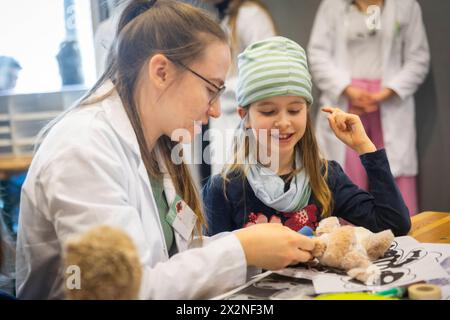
34, 32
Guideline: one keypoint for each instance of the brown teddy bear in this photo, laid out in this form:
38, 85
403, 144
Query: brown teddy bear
109, 265
351, 248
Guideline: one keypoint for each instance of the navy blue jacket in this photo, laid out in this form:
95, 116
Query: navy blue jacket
383, 208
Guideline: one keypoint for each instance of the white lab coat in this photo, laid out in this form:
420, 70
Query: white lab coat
89, 171
252, 24
405, 63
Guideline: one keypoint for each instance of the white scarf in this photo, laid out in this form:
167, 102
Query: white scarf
269, 187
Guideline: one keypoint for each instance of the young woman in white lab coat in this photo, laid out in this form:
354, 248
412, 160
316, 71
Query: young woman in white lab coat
389, 50
108, 161
245, 22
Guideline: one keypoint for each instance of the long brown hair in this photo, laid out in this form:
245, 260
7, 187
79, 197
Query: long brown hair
314, 165
177, 30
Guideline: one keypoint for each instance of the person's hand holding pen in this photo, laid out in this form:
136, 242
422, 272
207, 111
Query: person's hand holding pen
350, 130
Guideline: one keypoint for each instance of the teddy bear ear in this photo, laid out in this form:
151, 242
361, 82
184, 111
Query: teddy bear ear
327, 225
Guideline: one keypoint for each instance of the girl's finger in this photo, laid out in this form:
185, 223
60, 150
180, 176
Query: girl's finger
327, 109
352, 119
330, 110
340, 119
332, 123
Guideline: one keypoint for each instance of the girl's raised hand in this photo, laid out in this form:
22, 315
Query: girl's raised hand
350, 130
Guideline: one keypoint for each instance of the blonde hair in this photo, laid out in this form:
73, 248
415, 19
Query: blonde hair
315, 166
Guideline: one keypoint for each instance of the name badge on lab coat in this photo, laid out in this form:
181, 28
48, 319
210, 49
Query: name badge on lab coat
181, 218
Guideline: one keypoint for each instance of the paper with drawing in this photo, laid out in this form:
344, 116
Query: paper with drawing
407, 261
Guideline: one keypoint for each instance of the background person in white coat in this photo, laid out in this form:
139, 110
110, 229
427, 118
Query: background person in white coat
370, 61
108, 161
104, 35
245, 22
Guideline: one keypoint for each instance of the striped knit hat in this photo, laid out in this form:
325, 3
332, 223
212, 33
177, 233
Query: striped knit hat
272, 67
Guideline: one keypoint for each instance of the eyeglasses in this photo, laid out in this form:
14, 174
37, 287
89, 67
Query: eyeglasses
219, 90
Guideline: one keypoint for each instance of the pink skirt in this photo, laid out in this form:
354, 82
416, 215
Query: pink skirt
372, 124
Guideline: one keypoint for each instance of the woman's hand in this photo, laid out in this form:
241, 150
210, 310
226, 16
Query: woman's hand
273, 246
361, 100
382, 95
350, 130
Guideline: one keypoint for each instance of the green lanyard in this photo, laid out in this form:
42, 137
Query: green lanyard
163, 209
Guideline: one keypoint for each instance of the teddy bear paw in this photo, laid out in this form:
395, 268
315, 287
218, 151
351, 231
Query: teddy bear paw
370, 275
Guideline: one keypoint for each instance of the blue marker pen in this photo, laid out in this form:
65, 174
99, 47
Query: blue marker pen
306, 231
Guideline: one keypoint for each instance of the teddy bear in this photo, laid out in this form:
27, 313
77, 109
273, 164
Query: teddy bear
351, 249
109, 265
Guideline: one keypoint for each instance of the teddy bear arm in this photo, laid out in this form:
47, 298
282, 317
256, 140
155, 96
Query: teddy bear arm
378, 244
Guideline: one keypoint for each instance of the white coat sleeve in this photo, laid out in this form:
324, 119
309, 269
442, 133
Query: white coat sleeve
330, 79
252, 271
198, 273
416, 56
253, 24
86, 186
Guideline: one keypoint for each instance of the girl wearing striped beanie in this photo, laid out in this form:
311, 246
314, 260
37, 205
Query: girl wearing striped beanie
276, 173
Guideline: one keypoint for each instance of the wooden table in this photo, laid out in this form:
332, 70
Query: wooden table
13, 164
432, 227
